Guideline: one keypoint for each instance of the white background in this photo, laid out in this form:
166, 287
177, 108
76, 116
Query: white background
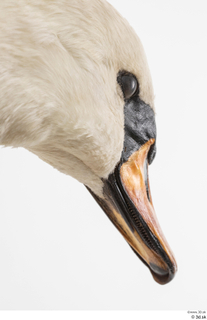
58, 250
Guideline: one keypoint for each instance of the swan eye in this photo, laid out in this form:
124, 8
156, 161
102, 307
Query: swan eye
129, 84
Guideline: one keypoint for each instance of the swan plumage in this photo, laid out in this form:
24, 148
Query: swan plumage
59, 62
60, 97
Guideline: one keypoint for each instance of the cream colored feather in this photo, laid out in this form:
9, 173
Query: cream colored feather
59, 96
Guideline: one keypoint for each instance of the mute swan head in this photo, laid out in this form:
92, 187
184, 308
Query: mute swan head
76, 90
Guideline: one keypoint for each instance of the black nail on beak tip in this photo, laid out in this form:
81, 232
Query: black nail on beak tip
160, 275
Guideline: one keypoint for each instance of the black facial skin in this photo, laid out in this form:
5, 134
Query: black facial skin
139, 118
140, 127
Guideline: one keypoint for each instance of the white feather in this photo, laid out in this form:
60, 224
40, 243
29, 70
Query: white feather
59, 97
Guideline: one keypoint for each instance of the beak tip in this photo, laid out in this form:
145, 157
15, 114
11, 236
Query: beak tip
162, 276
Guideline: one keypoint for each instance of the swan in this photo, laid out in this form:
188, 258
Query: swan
76, 91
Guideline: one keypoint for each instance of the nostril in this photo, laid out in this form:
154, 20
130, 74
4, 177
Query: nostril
146, 179
152, 153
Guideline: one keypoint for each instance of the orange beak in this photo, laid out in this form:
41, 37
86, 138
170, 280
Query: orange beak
128, 204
